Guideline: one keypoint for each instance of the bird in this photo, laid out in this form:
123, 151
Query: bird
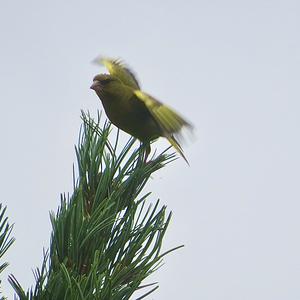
135, 111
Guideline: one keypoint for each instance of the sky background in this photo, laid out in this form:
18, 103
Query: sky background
231, 67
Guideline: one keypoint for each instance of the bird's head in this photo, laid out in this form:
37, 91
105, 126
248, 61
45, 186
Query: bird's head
102, 82
107, 86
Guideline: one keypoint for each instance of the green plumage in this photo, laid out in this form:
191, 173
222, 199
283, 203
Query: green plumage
134, 111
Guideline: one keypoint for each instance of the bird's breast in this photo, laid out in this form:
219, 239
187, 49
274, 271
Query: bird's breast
132, 117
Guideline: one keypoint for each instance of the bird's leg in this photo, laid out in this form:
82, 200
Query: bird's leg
145, 150
148, 150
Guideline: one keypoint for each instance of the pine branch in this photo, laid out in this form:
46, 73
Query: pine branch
106, 240
5, 237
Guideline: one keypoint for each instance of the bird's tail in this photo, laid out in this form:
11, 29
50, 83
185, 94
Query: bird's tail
177, 146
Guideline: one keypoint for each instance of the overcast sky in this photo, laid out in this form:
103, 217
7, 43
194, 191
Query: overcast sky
231, 67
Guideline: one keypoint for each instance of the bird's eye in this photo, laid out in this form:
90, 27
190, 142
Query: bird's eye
106, 81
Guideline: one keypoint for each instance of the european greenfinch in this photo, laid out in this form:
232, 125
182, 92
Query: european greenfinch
134, 111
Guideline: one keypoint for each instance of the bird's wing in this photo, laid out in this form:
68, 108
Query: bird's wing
169, 120
118, 69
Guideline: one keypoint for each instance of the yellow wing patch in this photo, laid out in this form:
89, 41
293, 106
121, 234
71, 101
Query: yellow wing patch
119, 70
169, 120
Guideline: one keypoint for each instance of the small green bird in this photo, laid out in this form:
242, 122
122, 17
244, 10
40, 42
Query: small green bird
134, 111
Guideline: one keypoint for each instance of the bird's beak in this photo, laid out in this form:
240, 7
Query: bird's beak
95, 84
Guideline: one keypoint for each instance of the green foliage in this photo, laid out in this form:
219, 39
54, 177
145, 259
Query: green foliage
5, 237
106, 240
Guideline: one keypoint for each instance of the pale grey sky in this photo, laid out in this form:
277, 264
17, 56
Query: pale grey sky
231, 67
